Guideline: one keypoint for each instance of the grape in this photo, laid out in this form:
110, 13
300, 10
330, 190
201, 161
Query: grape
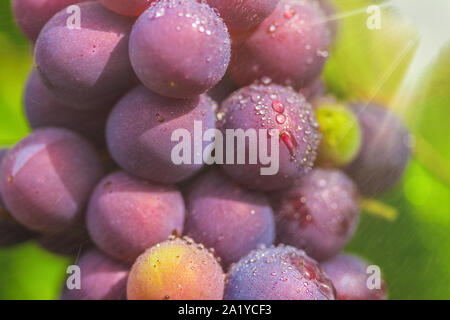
331, 18
11, 233
44, 110
314, 90
350, 275
47, 177
2, 204
177, 269
68, 242
277, 273
243, 14
127, 7
32, 15
101, 279
385, 150
127, 215
226, 217
90, 65
179, 48
341, 135
289, 47
139, 133
319, 214
269, 106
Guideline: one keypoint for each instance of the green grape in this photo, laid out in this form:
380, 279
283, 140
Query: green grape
341, 133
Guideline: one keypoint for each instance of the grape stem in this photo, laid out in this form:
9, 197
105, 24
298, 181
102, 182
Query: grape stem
378, 209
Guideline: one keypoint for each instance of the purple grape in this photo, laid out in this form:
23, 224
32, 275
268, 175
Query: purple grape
68, 242
385, 150
243, 14
314, 90
127, 215
269, 106
47, 177
319, 214
224, 216
278, 273
44, 110
12, 233
179, 48
289, 47
32, 15
127, 7
2, 204
139, 133
86, 67
350, 276
331, 18
101, 279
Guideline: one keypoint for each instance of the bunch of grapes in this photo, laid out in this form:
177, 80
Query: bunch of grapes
114, 79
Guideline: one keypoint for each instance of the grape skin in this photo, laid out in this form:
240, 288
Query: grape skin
101, 278
127, 7
46, 179
278, 273
349, 274
224, 216
341, 134
319, 214
11, 233
86, 67
43, 109
243, 14
385, 150
127, 215
253, 107
143, 117
176, 269
179, 48
288, 47
2, 156
32, 15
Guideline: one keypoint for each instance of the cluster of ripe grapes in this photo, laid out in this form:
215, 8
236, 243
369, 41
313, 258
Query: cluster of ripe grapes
96, 171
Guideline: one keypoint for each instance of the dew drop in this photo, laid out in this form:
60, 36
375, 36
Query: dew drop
280, 118
277, 105
288, 140
322, 53
272, 28
289, 13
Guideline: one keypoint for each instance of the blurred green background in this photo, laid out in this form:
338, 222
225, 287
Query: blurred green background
405, 65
